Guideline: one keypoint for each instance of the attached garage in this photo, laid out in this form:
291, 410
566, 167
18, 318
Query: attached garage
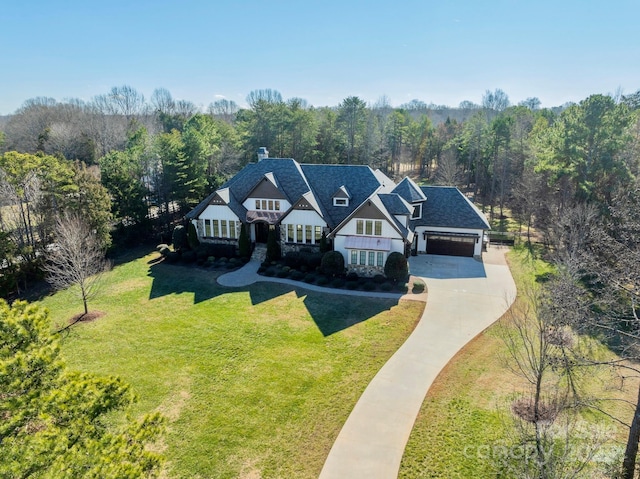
449, 223
451, 244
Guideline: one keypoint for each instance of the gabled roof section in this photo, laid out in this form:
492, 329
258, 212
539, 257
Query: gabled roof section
395, 204
195, 212
341, 193
447, 206
266, 188
376, 201
285, 173
386, 183
269, 176
223, 194
360, 181
409, 191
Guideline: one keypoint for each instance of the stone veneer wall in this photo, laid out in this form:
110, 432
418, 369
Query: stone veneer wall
365, 270
286, 247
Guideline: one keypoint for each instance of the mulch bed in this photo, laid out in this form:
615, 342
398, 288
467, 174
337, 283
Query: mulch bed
85, 318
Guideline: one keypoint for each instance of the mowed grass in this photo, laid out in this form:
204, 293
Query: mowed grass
467, 410
251, 386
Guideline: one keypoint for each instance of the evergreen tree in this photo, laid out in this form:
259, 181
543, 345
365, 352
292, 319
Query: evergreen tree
53, 420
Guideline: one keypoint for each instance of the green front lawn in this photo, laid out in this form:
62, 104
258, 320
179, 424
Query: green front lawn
256, 382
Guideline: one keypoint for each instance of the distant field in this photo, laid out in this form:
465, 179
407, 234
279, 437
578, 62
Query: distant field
466, 410
250, 384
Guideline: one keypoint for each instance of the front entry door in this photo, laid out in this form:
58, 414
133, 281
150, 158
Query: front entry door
262, 232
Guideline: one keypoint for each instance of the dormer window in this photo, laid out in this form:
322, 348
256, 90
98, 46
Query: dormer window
341, 197
417, 212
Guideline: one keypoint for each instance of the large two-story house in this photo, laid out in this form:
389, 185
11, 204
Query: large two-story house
365, 214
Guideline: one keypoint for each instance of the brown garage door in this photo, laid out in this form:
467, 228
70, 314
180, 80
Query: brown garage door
451, 245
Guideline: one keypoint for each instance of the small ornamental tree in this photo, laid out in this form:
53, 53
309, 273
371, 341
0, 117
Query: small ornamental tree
332, 263
396, 268
76, 258
273, 248
179, 238
192, 237
244, 245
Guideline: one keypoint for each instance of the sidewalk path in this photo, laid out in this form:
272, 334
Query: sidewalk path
465, 297
248, 274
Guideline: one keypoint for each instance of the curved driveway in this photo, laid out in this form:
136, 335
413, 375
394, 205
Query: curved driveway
465, 297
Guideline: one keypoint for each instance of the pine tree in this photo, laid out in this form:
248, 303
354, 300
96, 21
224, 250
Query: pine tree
53, 420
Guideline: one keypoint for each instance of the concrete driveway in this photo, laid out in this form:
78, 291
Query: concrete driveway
465, 297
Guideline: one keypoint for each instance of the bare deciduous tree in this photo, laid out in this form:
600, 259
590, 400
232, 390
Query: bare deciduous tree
76, 258
548, 356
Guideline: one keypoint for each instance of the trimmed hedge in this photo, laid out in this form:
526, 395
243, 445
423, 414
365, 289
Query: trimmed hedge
332, 263
396, 268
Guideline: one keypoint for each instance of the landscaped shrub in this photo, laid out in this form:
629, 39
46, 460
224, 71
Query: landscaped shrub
310, 278
172, 256
369, 286
192, 236
352, 284
297, 275
292, 259
402, 288
189, 256
270, 271
396, 268
332, 263
282, 273
179, 238
226, 250
244, 244
273, 248
312, 260
386, 287
322, 281
352, 276
203, 253
337, 283
418, 286
379, 279
163, 249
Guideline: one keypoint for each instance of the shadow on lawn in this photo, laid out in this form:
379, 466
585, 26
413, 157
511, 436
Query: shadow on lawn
175, 279
332, 313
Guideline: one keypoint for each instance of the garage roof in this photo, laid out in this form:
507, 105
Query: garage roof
446, 206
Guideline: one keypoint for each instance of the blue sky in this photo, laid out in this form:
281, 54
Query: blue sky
435, 51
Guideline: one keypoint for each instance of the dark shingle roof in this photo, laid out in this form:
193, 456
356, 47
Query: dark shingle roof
409, 191
286, 171
359, 180
395, 206
447, 206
